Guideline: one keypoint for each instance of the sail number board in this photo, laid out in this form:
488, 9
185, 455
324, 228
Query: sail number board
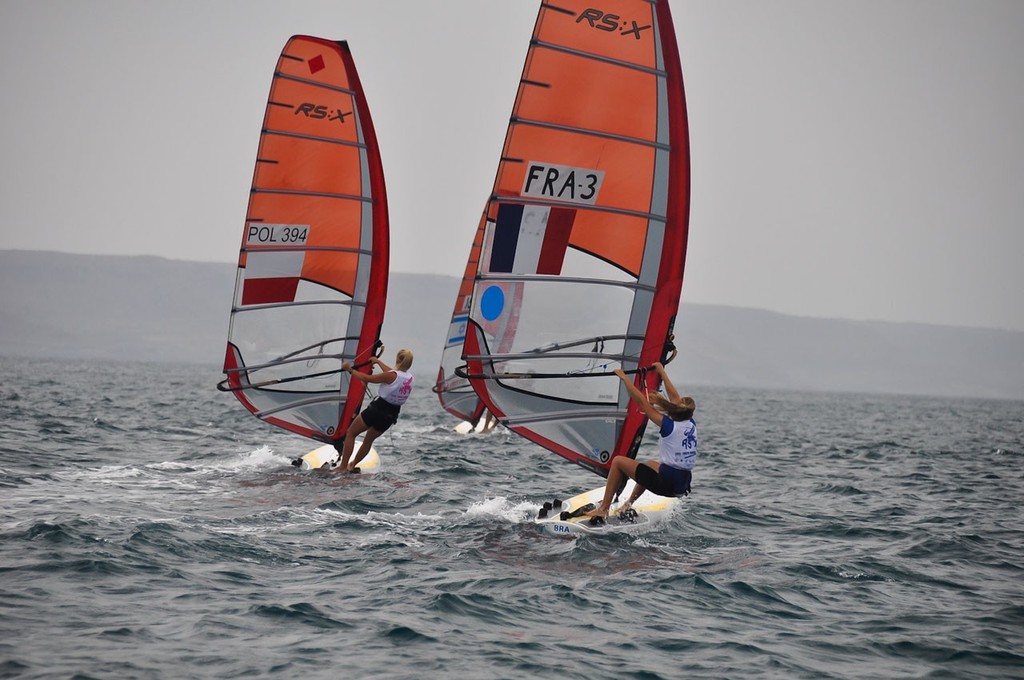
562, 183
276, 234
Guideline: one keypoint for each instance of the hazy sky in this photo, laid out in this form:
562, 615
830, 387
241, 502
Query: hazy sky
855, 159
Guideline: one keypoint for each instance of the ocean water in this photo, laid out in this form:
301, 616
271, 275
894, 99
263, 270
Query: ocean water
151, 528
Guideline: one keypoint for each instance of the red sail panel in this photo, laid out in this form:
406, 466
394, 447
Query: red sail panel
589, 218
313, 266
454, 392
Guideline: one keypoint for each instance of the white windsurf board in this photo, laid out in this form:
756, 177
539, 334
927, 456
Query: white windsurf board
315, 459
647, 510
466, 427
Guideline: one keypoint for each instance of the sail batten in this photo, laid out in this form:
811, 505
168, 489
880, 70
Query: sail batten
562, 355
592, 208
312, 194
597, 57
314, 83
632, 285
291, 249
332, 400
583, 235
293, 303
314, 138
558, 416
285, 360
593, 133
313, 264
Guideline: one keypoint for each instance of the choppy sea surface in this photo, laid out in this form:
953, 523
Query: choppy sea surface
151, 528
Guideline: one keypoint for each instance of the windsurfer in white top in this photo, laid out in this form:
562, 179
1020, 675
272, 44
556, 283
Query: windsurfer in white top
677, 444
382, 412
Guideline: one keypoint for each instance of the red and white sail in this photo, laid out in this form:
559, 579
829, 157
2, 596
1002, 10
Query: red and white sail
454, 391
313, 266
587, 223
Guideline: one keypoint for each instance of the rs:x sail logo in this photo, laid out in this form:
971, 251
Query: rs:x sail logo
321, 112
611, 22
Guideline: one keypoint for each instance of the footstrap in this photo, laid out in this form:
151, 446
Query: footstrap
582, 510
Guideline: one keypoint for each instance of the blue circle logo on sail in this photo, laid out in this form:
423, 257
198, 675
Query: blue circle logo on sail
492, 302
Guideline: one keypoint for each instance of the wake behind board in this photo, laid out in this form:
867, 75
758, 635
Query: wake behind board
315, 459
649, 509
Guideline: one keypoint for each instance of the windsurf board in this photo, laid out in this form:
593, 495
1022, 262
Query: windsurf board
327, 454
567, 518
466, 427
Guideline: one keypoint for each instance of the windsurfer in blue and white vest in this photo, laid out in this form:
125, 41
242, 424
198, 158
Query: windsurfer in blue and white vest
382, 412
670, 475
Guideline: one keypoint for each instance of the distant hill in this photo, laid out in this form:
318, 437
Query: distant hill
151, 309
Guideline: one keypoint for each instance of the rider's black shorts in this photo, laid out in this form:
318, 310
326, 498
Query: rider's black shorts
665, 481
380, 414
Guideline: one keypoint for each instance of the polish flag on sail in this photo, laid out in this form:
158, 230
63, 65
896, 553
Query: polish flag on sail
271, 277
530, 239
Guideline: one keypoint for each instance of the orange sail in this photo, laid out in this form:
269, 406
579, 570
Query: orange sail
313, 267
454, 391
589, 218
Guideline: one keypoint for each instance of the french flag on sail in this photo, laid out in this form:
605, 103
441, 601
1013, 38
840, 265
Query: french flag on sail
271, 277
530, 239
